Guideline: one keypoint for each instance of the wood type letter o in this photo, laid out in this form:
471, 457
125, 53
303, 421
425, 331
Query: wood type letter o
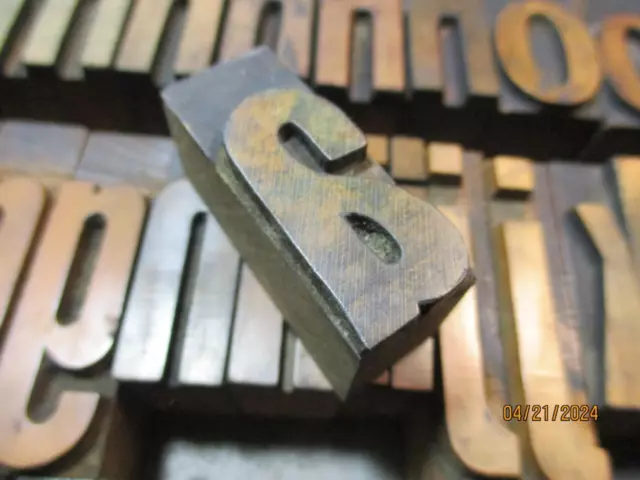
513, 44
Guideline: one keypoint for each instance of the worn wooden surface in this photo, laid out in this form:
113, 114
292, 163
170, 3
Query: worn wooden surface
452, 96
554, 230
471, 71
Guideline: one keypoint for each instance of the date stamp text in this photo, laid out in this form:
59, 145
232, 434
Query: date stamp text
550, 413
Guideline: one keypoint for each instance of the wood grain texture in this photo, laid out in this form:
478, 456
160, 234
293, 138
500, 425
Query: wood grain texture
334, 32
199, 36
519, 64
142, 37
426, 55
368, 314
47, 35
241, 27
205, 345
416, 370
104, 36
294, 47
476, 441
157, 294
496, 342
36, 328
240, 153
256, 341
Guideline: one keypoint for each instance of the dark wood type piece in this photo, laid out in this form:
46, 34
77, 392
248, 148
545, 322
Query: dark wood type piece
404, 279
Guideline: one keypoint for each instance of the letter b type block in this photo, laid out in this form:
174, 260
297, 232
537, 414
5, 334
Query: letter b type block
361, 270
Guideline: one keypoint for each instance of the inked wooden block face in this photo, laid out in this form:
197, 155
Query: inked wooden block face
350, 344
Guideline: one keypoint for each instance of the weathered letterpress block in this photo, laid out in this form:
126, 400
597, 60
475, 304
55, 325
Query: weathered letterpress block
596, 211
550, 75
303, 232
540, 328
64, 321
473, 439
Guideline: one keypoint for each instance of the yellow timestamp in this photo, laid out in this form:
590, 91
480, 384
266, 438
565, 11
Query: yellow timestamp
550, 413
